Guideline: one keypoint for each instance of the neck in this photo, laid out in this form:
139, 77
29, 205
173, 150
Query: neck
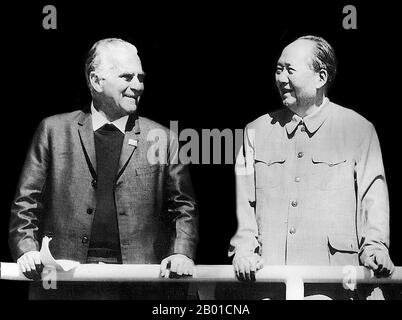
104, 109
310, 107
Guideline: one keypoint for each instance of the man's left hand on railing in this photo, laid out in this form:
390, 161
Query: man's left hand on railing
176, 265
246, 265
379, 261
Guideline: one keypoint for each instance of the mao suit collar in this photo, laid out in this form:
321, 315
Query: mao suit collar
313, 122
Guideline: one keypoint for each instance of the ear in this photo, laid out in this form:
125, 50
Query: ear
322, 78
96, 81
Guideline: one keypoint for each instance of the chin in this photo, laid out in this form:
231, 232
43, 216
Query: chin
288, 102
130, 109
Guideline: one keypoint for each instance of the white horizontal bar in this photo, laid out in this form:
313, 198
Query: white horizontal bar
212, 273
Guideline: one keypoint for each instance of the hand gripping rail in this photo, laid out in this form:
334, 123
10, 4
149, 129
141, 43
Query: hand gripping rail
205, 276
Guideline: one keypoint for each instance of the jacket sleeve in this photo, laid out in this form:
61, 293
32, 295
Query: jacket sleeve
372, 195
182, 209
27, 206
245, 239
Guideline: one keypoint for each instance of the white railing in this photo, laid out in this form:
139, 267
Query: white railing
206, 276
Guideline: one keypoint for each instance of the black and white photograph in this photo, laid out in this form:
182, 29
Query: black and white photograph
205, 157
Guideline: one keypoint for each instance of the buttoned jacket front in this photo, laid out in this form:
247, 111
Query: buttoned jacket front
311, 191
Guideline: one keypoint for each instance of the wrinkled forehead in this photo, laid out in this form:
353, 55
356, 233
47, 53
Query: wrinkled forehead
298, 52
119, 57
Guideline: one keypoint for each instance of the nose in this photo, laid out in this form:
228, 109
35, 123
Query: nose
136, 85
281, 77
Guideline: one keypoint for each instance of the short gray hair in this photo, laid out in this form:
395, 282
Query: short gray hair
323, 57
92, 61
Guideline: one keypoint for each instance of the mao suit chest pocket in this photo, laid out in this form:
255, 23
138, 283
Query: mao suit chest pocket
269, 170
331, 171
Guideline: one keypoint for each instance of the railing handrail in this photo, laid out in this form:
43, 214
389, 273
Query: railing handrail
206, 276
212, 273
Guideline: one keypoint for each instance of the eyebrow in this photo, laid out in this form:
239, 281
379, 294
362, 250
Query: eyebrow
131, 74
286, 64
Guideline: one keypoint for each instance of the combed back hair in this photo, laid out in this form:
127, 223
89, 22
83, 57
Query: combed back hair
323, 57
93, 61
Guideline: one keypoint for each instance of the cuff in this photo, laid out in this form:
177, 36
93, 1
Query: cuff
185, 247
25, 246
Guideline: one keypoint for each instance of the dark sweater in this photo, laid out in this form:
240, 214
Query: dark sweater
105, 232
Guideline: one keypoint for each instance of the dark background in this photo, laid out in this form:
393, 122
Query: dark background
208, 66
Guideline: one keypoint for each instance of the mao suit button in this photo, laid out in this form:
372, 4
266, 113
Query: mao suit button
297, 179
300, 155
84, 239
303, 129
90, 210
292, 230
294, 203
94, 183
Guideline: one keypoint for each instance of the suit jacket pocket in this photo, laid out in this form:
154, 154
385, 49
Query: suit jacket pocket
330, 171
149, 170
269, 169
343, 250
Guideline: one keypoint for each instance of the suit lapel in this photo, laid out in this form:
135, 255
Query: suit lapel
88, 142
129, 143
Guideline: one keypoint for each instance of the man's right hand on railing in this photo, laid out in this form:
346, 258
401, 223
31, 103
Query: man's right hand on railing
246, 265
176, 266
31, 265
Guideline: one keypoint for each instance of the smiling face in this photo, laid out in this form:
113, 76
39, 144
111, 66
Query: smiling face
118, 80
295, 78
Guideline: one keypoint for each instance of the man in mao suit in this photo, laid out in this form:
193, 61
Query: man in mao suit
90, 184
311, 188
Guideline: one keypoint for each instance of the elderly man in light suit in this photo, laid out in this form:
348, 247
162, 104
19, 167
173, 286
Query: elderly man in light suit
89, 184
311, 188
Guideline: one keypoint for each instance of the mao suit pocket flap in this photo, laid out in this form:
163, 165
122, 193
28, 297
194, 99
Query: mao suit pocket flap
329, 159
270, 158
269, 169
330, 170
343, 243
